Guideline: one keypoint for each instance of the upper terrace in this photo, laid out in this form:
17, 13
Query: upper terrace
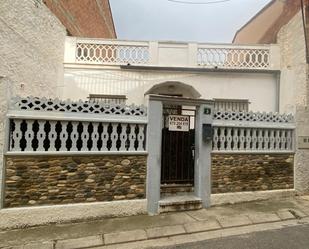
85, 52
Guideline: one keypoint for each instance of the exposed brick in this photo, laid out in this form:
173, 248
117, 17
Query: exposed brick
85, 18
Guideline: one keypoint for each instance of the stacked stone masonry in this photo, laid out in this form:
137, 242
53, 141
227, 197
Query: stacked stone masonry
251, 172
45, 180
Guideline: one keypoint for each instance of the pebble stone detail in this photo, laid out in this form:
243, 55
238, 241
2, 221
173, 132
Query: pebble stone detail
45, 180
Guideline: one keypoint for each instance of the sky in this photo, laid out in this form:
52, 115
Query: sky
170, 21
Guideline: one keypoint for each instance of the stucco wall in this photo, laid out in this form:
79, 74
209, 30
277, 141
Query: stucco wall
294, 91
259, 88
293, 83
32, 47
302, 155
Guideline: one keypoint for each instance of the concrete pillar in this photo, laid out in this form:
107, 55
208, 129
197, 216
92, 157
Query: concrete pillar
70, 49
192, 54
153, 53
5, 95
203, 148
154, 137
301, 161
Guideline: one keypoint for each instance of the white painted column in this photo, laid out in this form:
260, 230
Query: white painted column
153, 52
154, 137
5, 95
202, 166
192, 54
70, 49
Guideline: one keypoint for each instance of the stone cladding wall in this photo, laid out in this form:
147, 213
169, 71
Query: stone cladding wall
251, 172
42, 180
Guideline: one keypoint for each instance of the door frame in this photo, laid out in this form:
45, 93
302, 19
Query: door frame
202, 162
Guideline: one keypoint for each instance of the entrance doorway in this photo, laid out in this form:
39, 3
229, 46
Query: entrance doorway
178, 146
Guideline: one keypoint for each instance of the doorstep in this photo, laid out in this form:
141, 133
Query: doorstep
183, 202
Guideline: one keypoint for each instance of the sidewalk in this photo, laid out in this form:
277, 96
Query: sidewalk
115, 232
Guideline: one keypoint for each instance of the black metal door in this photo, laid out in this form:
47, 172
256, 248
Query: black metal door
177, 165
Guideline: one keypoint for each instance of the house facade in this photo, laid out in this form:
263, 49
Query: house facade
146, 121
134, 70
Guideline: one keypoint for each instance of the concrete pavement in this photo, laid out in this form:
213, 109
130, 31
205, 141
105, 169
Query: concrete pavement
145, 231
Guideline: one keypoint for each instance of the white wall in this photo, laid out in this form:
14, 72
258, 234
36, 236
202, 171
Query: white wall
259, 88
32, 47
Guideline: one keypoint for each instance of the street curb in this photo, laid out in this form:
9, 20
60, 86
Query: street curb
180, 231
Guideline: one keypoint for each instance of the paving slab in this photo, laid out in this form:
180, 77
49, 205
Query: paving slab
201, 226
42, 245
126, 236
234, 221
285, 214
165, 231
260, 217
88, 241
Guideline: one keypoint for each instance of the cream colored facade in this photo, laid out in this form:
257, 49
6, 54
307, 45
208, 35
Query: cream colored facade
214, 71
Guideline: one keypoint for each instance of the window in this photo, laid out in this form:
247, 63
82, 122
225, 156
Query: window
110, 99
237, 105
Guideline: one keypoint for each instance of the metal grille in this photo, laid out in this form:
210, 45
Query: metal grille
108, 99
236, 105
177, 165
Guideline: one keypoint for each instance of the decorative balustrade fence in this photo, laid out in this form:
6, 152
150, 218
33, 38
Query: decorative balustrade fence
233, 57
112, 53
49, 126
45, 125
117, 52
253, 132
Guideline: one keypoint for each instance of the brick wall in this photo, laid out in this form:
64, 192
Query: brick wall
43, 180
84, 18
251, 172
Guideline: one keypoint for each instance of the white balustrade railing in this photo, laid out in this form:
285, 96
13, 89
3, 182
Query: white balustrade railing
253, 132
43, 126
75, 136
112, 53
51, 126
234, 57
168, 54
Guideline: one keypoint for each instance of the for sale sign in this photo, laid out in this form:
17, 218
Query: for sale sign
178, 123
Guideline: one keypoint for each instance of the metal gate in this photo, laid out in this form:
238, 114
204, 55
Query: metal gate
177, 163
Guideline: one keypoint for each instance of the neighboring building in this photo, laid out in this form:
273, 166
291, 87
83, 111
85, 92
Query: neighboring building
281, 22
32, 45
85, 18
265, 25
287, 24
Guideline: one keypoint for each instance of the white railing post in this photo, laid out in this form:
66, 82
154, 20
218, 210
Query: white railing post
153, 52
274, 57
70, 50
192, 54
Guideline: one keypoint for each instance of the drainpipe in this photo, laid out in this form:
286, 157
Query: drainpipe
304, 27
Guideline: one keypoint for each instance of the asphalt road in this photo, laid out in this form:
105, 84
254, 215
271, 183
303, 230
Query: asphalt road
287, 238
